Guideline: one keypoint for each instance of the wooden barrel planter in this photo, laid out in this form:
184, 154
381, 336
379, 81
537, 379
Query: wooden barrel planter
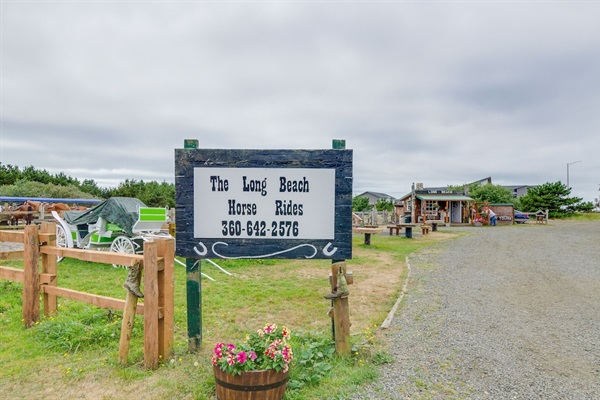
250, 385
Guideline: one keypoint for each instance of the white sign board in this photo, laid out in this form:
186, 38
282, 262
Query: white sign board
264, 203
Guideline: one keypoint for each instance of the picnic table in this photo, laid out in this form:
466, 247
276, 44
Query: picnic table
397, 227
368, 231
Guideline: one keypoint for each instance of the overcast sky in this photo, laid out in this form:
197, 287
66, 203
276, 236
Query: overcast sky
433, 92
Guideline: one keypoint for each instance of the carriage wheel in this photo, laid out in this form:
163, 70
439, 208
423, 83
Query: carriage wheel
122, 244
61, 240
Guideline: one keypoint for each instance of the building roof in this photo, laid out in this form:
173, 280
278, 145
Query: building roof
447, 197
436, 195
376, 194
482, 181
518, 186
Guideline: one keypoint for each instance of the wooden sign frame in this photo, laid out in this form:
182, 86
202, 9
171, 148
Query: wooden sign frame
190, 163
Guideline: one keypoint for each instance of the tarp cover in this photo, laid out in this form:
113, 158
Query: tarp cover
121, 211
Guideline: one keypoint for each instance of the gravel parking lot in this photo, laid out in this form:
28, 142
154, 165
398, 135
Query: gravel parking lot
502, 313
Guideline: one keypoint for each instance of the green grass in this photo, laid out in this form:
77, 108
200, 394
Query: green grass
585, 217
77, 349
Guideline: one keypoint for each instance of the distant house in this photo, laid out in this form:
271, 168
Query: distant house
519, 190
435, 204
375, 196
441, 203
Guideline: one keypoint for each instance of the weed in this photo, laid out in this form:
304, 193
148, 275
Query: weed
313, 353
90, 328
382, 357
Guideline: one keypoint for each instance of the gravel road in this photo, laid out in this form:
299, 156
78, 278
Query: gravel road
502, 313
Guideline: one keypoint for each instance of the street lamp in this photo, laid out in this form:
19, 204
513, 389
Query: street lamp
570, 163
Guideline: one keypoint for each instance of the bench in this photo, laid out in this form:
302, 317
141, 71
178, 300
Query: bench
434, 224
393, 228
407, 229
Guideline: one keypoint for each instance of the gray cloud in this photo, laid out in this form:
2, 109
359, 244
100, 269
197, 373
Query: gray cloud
440, 93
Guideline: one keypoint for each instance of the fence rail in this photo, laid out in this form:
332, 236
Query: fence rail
157, 263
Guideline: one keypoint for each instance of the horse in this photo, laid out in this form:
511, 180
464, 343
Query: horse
60, 208
24, 212
34, 204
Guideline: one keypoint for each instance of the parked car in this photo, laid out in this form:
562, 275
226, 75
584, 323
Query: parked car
521, 217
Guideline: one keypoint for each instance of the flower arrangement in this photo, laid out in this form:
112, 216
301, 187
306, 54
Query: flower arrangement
264, 349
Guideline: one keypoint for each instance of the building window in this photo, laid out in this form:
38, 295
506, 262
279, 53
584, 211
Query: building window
431, 206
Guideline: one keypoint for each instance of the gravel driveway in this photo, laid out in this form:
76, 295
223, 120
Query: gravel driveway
502, 313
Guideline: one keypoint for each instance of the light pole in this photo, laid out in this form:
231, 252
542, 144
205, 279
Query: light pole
570, 163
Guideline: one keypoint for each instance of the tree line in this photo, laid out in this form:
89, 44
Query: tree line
32, 182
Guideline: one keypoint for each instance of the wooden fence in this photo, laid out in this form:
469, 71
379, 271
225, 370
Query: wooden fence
158, 277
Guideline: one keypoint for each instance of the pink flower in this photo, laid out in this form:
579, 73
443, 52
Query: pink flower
253, 355
242, 357
271, 351
230, 359
287, 353
218, 348
263, 348
218, 351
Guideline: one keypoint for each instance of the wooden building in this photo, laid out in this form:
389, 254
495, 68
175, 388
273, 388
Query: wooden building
448, 206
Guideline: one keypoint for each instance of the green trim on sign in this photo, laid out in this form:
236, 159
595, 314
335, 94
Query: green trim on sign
190, 143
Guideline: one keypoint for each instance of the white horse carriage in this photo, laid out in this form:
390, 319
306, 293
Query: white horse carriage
118, 224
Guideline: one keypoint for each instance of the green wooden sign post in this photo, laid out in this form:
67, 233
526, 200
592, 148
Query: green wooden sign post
340, 323
193, 288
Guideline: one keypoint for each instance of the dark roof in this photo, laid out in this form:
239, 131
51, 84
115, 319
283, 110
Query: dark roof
376, 194
487, 180
518, 186
444, 196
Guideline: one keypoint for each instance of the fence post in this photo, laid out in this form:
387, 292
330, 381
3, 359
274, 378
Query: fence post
31, 276
166, 296
49, 268
127, 325
151, 306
